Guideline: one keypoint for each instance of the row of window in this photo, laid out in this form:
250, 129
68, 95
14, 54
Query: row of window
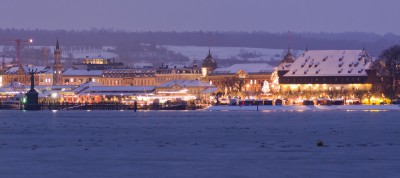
220, 82
330, 79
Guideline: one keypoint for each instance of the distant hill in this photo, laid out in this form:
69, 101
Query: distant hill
143, 43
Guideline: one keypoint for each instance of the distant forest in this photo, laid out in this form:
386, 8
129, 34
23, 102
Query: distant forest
103, 37
131, 41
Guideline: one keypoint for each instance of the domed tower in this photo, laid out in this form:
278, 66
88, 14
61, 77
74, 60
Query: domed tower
288, 57
209, 64
285, 64
57, 66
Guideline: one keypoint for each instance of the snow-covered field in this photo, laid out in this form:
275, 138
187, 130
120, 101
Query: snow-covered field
200, 52
276, 143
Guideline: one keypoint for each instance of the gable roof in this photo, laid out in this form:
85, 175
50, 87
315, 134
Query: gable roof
248, 68
38, 69
330, 63
78, 72
210, 90
117, 90
185, 83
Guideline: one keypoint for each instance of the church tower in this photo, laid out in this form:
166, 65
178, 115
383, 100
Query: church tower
288, 57
209, 64
57, 66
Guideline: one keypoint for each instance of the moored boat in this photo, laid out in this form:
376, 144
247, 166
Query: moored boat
11, 103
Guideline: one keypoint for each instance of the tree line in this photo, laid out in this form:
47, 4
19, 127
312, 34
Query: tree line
374, 43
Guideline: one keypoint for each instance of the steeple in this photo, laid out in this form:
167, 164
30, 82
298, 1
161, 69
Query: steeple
209, 64
289, 36
209, 44
288, 58
57, 66
57, 45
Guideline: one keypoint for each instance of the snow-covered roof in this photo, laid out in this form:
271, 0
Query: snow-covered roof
85, 85
78, 72
185, 83
38, 69
117, 90
209, 90
55, 87
121, 88
284, 66
139, 72
248, 68
330, 63
14, 85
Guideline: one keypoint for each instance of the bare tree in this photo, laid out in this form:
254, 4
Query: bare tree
388, 71
234, 83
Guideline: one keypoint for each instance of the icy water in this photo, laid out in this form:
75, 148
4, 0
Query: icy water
199, 144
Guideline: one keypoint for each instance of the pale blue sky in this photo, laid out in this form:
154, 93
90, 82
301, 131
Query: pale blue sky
380, 16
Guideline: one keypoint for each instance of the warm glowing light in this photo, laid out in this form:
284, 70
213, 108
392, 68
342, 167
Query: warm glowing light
54, 95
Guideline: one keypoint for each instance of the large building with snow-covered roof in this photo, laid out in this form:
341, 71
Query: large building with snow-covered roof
250, 77
21, 74
167, 73
185, 88
129, 77
77, 76
98, 63
324, 71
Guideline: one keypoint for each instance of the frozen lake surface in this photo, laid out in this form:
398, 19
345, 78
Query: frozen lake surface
272, 143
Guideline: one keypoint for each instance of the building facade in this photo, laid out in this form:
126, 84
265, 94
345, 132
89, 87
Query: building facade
326, 74
98, 63
182, 89
129, 77
165, 74
248, 78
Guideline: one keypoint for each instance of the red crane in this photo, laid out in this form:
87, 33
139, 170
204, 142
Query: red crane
18, 46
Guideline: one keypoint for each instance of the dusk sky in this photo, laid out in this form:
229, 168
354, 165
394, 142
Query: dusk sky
210, 15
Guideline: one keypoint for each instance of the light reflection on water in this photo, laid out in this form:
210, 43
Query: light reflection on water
367, 110
376, 110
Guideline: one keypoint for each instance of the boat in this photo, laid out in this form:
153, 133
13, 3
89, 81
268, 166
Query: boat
12, 102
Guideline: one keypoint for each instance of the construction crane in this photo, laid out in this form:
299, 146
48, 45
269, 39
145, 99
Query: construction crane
18, 46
